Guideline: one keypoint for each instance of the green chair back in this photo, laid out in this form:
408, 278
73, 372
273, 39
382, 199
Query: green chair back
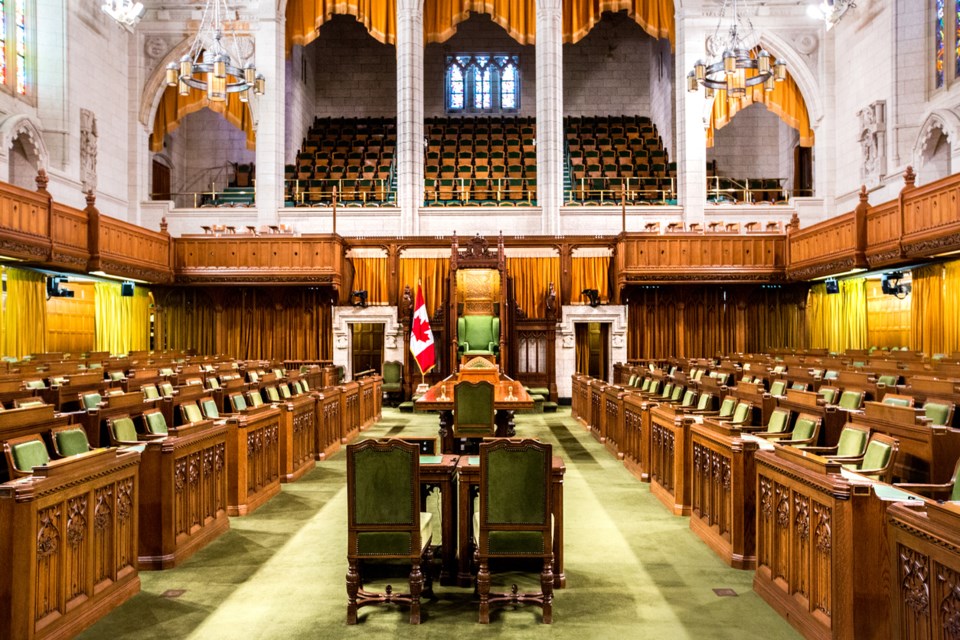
278, 373
646, 384
71, 442
297, 388
166, 389
727, 406
852, 442
150, 392
632, 381
166, 371
155, 422
272, 394
667, 390
237, 402
779, 421
877, 455
383, 497
688, 398
804, 429
676, 394
829, 394
90, 400
209, 406
124, 430
831, 375
34, 384
888, 380
939, 413
851, 400
253, 376
897, 401
473, 409
778, 387
798, 386
254, 399
116, 376
213, 383
22, 403
29, 454
515, 495
654, 387
392, 376
306, 387
285, 391
704, 403
742, 412
191, 412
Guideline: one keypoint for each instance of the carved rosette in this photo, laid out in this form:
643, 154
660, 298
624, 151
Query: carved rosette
697, 452
103, 510
48, 535
208, 456
193, 469
76, 520
914, 583
219, 456
783, 507
124, 499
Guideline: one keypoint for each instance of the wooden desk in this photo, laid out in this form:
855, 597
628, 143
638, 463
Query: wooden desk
671, 458
468, 470
439, 397
439, 475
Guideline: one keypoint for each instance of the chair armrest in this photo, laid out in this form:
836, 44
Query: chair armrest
919, 487
773, 436
493, 346
820, 451
147, 437
704, 413
846, 459
463, 345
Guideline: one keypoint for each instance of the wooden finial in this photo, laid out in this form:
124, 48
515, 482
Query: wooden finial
909, 178
163, 224
794, 223
91, 198
863, 193
42, 181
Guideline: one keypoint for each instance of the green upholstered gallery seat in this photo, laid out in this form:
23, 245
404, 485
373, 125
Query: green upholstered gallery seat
90, 400
25, 453
779, 421
851, 400
254, 399
473, 412
805, 430
213, 384
677, 393
689, 397
154, 422
654, 388
384, 521
726, 407
878, 459
209, 408
70, 441
285, 391
122, 430
150, 391
940, 412
297, 387
478, 335
392, 377
237, 403
667, 391
166, 389
272, 394
778, 387
515, 518
888, 380
829, 394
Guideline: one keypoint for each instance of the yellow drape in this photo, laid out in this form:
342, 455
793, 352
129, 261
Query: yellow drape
531, 281
785, 100
370, 275
432, 272
590, 273
25, 316
838, 322
174, 108
122, 323
951, 307
305, 17
517, 17
656, 17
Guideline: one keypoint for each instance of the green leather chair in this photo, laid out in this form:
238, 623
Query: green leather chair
878, 459
237, 403
272, 394
393, 379
851, 400
852, 444
689, 398
90, 400
154, 423
829, 394
285, 391
676, 394
209, 407
150, 392
805, 431
473, 414
213, 384
778, 388
946, 491
254, 399
384, 521
122, 431
25, 453
190, 412
69, 441
888, 380
515, 518
939, 412
778, 424
166, 389
898, 400
478, 335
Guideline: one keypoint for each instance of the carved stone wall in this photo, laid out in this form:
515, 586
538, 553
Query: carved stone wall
614, 315
343, 317
873, 143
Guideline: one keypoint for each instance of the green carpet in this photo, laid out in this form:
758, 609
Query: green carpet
631, 567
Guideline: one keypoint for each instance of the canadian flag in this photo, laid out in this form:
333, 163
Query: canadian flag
421, 337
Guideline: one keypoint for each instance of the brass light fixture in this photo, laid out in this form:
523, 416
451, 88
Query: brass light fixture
731, 56
210, 67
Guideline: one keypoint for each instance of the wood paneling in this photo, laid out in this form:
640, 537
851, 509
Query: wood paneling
69, 233
253, 459
298, 418
832, 246
931, 217
884, 228
24, 223
888, 318
131, 251
70, 321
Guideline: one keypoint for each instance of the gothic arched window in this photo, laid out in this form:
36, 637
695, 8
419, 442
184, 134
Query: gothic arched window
481, 83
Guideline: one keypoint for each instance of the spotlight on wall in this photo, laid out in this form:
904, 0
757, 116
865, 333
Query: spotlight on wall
54, 290
832, 285
359, 298
890, 284
126, 289
593, 295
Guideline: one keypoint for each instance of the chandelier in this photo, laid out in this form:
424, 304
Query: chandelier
210, 67
830, 11
126, 12
731, 52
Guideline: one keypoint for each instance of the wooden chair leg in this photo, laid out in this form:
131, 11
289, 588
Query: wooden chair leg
428, 570
353, 587
546, 586
416, 587
483, 587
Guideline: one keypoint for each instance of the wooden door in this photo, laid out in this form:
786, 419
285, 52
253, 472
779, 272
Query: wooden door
161, 181
367, 347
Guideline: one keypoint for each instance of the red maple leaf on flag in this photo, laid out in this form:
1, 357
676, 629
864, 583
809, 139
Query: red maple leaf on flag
420, 329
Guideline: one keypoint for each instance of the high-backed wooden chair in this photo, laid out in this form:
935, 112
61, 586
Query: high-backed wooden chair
384, 521
514, 519
473, 414
25, 453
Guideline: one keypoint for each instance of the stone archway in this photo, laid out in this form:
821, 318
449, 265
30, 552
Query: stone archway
23, 150
936, 151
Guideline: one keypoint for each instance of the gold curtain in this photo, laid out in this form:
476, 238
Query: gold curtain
951, 307
122, 323
590, 273
926, 309
531, 280
581, 332
517, 17
691, 322
656, 17
174, 108
25, 316
247, 322
838, 322
305, 17
432, 272
370, 274
785, 100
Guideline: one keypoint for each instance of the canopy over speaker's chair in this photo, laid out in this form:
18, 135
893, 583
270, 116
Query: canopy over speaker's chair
478, 335
473, 410
393, 379
384, 521
514, 519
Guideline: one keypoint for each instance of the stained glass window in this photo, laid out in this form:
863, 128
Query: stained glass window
956, 42
21, 20
3, 42
482, 83
939, 43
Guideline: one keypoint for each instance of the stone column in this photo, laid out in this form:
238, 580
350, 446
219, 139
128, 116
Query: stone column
550, 113
410, 156
270, 114
691, 108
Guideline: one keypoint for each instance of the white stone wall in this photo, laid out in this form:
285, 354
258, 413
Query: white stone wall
749, 146
206, 148
662, 99
354, 75
301, 93
477, 34
609, 72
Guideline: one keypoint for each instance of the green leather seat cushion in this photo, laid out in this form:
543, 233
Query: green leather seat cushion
192, 412
851, 442
538, 391
124, 430
850, 400
394, 542
30, 454
803, 429
71, 442
210, 409
937, 412
877, 456
391, 386
150, 392
778, 421
91, 400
